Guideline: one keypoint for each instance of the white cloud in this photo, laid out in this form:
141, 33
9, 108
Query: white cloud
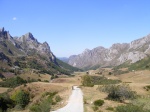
14, 18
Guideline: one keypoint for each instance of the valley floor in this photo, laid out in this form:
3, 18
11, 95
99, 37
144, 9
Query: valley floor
75, 102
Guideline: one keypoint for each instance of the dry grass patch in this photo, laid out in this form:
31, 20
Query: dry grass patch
35, 76
3, 89
69, 80
136, 77
1, 80
91, 94
37, 89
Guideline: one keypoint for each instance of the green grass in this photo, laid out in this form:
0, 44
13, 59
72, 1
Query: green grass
99, 80
45, 104
13, 82
145, 102
131, 108
110, 108
141, 65
90, 81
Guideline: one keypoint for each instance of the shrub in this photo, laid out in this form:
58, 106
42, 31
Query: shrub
18, 107
54, 77
39, 80
147, 88
21, 98
58, 98
44, 105
13, 82
46, 81
100, 80
35, 108
87, 81
95, 108
99, 102
130, 108
85, 101
110, 108
109, 73
119, 92
5, 102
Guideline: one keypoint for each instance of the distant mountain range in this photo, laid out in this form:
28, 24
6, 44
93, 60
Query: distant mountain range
115, 55
26, 52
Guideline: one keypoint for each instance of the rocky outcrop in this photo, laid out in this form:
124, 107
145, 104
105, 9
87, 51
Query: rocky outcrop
26, 52
24, 45
113, 56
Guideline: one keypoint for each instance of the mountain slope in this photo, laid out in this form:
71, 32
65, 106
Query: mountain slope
26, 52
115, 55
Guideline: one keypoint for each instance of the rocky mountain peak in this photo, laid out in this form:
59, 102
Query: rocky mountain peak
86, 51
5, 35
25, 45
44, 48
45, 44
97, 49
117, 54
29, 37
2, 29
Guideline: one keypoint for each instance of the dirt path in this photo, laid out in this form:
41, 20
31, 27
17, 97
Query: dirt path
75, 103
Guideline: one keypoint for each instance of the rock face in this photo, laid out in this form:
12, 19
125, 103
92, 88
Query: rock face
113, 56
25, 45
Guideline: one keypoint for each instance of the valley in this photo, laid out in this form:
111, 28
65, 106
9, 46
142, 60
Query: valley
75, 56
33, 79
137, 81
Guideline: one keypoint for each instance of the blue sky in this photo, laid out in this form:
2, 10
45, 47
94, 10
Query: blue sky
70, 26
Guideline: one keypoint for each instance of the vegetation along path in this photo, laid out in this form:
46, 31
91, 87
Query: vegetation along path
75, 103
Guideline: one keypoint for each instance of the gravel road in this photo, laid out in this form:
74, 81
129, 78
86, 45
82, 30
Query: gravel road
75, 103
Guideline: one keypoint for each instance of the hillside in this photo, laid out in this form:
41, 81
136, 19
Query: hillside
25, 52
115, 55
143, 64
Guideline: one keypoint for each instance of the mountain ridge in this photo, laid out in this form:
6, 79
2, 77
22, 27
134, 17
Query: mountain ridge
26, 52
115, 55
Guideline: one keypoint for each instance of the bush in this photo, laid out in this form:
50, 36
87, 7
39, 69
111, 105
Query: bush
147, 88
119, 92
46, 81
110, 108
58, 98
95, 108
99, 102
39, 80
21, 98
18, 107
44, 106
100, 80
54, 77
109, 73
87, 81
85, 101
5, 102
130, 108
13, 82
35, 108
46, 102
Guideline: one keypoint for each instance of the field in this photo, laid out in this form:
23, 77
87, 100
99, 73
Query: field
136, 80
